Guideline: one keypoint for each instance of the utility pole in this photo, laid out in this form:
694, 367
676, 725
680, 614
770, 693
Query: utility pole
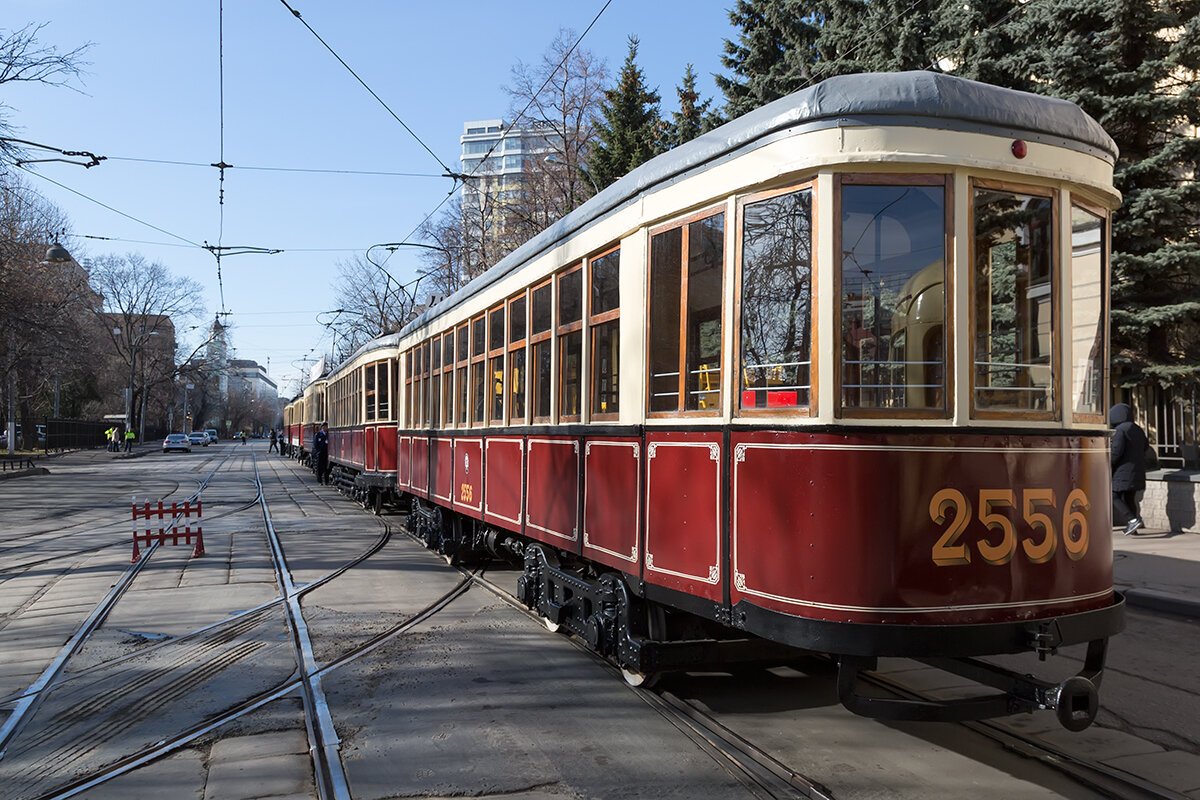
12, 393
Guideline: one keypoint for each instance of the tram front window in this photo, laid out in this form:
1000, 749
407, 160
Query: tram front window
777, 302
1089, 256
893, 307
1014, 302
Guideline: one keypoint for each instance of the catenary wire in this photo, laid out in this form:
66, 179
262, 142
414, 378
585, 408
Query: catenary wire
350, 69
516, 119
110, 208
221, 161
263, 168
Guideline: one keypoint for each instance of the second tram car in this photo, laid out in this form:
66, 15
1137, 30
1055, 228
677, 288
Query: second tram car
831, 377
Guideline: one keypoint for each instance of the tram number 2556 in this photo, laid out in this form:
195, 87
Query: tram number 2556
1040, 512
466, 493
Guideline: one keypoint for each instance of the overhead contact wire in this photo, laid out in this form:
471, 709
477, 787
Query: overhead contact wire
110, 208
372, 92
221, 148
516, 119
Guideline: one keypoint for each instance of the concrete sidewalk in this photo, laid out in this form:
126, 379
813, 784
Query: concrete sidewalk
1159, 570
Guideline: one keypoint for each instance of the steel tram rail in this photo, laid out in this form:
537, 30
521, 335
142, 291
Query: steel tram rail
235, 619
325, 745
1107, 780
27, 706
139, 759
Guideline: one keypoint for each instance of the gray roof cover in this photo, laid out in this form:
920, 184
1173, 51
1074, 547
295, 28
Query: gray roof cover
918, 98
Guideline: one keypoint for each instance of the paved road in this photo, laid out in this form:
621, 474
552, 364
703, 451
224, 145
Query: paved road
196, 670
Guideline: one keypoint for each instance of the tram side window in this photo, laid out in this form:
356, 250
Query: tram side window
371, 399
383, 402
893, 306
496, 339
478, 370
1014, 302
460, 379
516, 360
541, 321
604, 322
685, 316
776, 335
1089, 291
570, 344
435, 383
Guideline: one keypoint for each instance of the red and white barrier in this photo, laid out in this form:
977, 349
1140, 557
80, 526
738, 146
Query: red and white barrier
175, 513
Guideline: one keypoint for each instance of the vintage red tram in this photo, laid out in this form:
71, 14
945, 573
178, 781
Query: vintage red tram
831, 377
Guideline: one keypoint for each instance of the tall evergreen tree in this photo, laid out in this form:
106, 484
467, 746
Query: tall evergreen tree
630, 129
772, 54
693, 117
1132, 64
978, 40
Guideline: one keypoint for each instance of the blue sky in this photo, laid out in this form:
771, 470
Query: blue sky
151, 91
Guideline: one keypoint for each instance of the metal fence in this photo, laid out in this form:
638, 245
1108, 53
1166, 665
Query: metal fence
1169, 416
74, 434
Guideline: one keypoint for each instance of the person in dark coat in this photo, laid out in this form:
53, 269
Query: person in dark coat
1129, 446
321, 451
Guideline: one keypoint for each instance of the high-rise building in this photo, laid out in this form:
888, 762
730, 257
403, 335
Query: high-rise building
496, 183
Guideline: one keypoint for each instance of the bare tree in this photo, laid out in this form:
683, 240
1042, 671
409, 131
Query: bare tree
469, 239
44, 335
563, 95
369, 303
23, 59
143, 303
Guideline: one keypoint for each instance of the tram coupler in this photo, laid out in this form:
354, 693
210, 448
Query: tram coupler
1075, 701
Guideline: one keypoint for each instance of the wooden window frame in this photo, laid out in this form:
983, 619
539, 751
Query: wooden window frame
685, 243
1054, 414
481, 358
561, 329
510, 348
1104, 214
448, 373
949, 266
812, 408
535, 339
462, 356
491, 353
408, 390
594, 321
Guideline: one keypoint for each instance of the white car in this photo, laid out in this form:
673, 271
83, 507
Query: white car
177, 441
198, 437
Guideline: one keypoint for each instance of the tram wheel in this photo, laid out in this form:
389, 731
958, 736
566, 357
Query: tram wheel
656, 630
377, 506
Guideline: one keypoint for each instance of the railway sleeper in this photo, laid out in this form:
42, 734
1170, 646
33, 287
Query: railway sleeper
628, 630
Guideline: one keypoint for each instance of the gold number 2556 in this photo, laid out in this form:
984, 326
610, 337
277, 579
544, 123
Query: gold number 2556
999, 545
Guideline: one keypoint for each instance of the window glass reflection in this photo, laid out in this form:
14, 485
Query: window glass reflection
893, 265
1014, 308
777, 301
1088, 292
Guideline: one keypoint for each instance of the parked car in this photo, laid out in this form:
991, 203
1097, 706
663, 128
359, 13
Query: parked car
212, 435
41, 436
198, 437
177, 441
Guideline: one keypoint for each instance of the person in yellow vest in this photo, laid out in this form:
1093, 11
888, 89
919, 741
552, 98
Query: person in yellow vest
108, 439
129, 437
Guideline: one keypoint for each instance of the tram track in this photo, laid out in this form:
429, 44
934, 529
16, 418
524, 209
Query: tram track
26, 707
325, 745
1108, 781
252, 704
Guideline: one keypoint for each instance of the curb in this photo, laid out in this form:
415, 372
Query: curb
1163, 602
21, 473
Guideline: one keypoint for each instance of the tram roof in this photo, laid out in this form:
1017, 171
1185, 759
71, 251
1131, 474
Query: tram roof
911, 99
